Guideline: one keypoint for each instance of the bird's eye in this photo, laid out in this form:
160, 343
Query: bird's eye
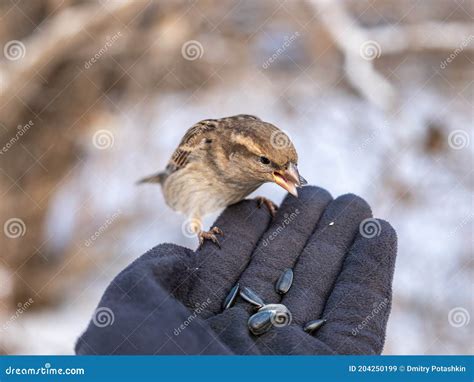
264, 160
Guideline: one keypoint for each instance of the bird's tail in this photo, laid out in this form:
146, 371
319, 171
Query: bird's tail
155, 178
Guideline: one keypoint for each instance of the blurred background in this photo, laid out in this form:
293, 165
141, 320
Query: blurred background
376, 95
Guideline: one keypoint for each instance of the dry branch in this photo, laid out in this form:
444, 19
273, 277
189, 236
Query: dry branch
350, 38
395, 39
63, 35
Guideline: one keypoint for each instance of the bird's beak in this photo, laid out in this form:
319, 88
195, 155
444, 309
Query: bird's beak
289, 179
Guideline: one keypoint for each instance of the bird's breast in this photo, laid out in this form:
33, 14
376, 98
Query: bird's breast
196, 191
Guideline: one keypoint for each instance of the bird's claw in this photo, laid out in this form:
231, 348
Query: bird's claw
210, 235
272, 207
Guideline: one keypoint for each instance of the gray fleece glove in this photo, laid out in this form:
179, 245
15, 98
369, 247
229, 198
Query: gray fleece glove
170, 300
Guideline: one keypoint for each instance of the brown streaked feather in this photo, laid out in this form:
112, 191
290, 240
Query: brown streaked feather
194, 134
192, 138
240, 117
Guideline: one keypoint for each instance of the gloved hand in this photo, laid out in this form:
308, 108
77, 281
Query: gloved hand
170, 300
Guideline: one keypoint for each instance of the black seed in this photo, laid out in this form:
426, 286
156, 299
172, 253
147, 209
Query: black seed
250, 296
283, 284
230, 299
311, 326
274, 307
260, 322
282, 316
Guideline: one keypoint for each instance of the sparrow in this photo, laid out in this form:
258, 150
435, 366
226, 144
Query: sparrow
220, 161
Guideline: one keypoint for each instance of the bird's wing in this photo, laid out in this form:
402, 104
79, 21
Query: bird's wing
190, 142
193, 139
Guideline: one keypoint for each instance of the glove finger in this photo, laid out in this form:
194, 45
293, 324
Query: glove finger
291, 340
231, 328
284, 240
138, 315
320, 263
357, 309
219, 269
170, 264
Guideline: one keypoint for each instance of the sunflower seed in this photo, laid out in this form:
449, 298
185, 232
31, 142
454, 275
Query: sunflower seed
281, 314
274, 307
311, 326
250, 296
230, 299
260, 322
283, 284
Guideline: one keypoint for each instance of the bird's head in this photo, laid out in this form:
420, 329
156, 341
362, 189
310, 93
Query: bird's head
263, 153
